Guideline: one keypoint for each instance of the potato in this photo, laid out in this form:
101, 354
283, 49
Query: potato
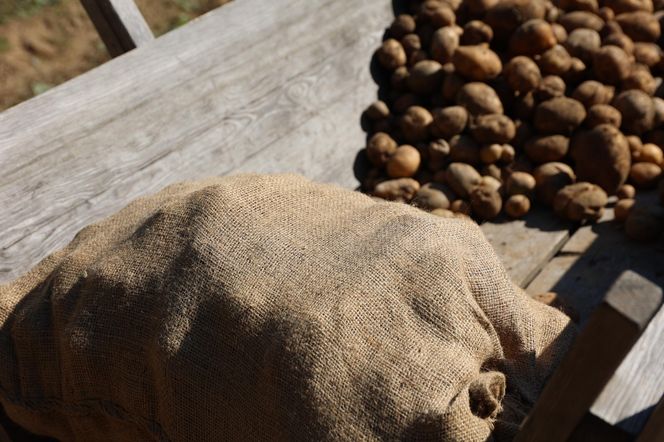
380, 148
611, 65
651, 153
480, 7
378, 110
648, 54
581, 20
436, 13
492, 183
582, 43
491, 153
444, 213
626, 191
404, 101
433, 196
637, 110
547, 148
477, 62
492, 170
523, 133
402, 25
559, 115
479, 99
492, 128
645, 175
507, 15
603, 114
438, 151
476, 32
508, 155
464, 149
524, 106
640, 78
461, 207
644, 223
620, 40
532, 37
555, 61
620, 6
391, 54
601, 156
559, 32
404, 162
659, 111
550, 87
520, 183
485, 201
580, 202
622, 209
592, 92
452, 85
550, 178
576, 73
415, 124
522, 74
449, 121
398, 79
578, 5
639, 26
462, 178
402, 189
411, 44
425, 77
444, 43
517, 206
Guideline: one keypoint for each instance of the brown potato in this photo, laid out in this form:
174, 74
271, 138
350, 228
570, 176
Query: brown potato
651, 153
611, 65
507, 15
555, 61
601, 156
550, 178
415, 124
644, 223
520, 183
508, 155
404, 101
559, 115
449, 121
404, 162
438, 14
477, 62
380, 148
462, 178
378, 110
582, 43
640, 78
479, 99
464, 149
522, 74
637, 110
398, 79
491, 154
578, 5
444, 213
550, 87
391, 54
517, 206
547, 148
452, 85
648, 54
402, 25
492, 170
603, 114
532, 37
626, 191
425, 77
639, 25
622, 209
480, 7
402, 189
434, 196
461, 207
485, 201
438, 151
620, 40
620, 6
444, 43
411, 44
524, 106
492, 128
645, 175
580, 20
476, 32
592, 92
580, 202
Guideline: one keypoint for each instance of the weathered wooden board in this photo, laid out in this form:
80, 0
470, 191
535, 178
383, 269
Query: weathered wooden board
595, 260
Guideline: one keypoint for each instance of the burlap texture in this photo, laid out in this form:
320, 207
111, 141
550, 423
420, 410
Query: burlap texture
272, 308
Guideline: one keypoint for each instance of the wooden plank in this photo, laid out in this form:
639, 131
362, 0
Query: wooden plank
119, 23
654, 429
596, 259
608, 336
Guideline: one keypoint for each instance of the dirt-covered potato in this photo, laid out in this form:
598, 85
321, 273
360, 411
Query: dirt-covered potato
645, 175
550, 87
644, 223
639, 25
559, 115
603, 114
485, 201
378, 110
479, 99
592, 92
637, 110
414, 124
404, 162
555, 61
462, 178
522, 74
648, 54
492, 128
476, 32
582, 44
601, 156
425, 77
507, 15
464, 149
532, 37
520, 183
402, 189
438, 14
402, 25
517, 206
620, 40
639, 77
380, 148
411, 44
391, 54
449, 121
433, 196
611, 65
491, 154
444, 43
478, 62
547, 148
580, 202
550, 178
580, 20
622, 209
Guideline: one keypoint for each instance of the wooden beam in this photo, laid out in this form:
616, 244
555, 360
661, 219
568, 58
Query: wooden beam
654, 429
119, 24
599, 349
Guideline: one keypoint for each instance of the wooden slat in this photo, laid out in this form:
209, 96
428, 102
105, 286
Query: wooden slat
608, 336
654, 429
119, 24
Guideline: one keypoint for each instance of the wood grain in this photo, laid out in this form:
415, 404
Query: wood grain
119, 23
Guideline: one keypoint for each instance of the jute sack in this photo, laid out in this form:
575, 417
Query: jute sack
272, 308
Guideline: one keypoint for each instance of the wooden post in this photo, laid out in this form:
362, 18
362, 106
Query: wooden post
599, 349
119, 24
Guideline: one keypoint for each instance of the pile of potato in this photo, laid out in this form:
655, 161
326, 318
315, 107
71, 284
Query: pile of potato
492, 105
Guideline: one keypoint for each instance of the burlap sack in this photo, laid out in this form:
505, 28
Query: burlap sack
271, 308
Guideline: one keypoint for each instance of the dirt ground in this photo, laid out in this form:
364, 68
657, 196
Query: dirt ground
46, 42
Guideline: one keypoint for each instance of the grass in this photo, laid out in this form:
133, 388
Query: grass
22, 8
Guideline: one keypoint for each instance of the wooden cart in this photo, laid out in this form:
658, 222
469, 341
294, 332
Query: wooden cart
279, 86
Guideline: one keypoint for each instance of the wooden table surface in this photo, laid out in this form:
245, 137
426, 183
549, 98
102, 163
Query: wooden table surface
268, 87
